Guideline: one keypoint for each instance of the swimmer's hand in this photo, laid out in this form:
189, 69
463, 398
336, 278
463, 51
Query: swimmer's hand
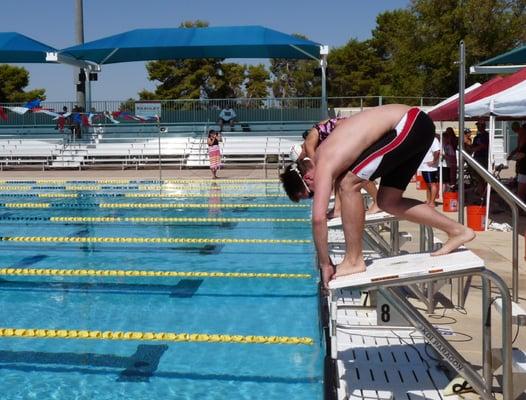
327, 271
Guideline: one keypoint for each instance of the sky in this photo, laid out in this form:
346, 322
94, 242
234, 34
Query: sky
330, 22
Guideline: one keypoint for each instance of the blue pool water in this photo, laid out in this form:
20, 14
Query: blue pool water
98, 369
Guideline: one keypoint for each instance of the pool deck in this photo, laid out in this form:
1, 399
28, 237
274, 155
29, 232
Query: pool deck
492, 246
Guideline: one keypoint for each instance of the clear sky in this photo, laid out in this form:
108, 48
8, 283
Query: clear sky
331, 22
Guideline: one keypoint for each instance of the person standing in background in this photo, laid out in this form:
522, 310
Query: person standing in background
449, 146
429, 170
214, 152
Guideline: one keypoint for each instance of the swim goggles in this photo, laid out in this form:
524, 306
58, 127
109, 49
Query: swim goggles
294, 167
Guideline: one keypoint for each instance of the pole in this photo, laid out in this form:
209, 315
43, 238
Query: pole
160, 164
324, 51
490, 167
461, 89
79, 38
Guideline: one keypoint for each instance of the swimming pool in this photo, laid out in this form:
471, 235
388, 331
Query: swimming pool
225, 227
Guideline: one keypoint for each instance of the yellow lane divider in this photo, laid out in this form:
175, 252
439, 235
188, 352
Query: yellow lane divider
83, 187
147, 273
27, 205
138, 181
168, 219
58, 195
19, 188
150, 336
143, 195
199, 205
167, 187
154, 195
150, 205
81, 239
197, 186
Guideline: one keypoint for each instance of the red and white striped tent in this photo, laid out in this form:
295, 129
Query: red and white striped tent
498, 86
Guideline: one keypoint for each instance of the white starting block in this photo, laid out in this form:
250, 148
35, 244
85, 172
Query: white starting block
518, 314
410, 267
519, 369
376, 218
387, 275
372, 238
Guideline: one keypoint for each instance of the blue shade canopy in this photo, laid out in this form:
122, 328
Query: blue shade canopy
186, 43
516, 56
17, 48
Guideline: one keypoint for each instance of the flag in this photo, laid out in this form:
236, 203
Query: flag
47, 112
110, 117
76, 117
18, 110
30, 105
3, 115
62, 115
85, 120
146, 117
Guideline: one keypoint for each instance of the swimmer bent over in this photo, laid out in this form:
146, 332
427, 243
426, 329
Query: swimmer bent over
387, 142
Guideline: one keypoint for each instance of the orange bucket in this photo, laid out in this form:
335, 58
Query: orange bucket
476, 217
420, 183
450, 202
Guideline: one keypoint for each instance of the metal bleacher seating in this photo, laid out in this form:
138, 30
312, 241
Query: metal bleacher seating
258, 144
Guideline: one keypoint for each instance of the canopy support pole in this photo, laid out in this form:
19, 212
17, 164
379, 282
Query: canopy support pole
461, 88
324, 51
491, 165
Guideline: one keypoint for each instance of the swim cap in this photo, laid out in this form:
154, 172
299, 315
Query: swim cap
295, 152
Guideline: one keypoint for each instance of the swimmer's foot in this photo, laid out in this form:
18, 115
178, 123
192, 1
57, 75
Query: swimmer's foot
344, 269
455, 241
332, 213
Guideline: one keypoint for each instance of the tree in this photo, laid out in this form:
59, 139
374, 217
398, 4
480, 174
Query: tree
257, 82
398, 46
295, 78
419, 45
13, 80
354, 70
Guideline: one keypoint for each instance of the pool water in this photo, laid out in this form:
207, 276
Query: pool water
53, 368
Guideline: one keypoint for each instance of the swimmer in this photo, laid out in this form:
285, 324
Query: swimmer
314, 137
387, 142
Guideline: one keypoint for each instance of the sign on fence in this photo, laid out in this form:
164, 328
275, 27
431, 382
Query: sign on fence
148, 108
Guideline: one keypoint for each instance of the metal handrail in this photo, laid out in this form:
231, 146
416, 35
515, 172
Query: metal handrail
514, 202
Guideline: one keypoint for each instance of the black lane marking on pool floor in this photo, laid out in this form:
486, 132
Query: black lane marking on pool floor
186, 288
143, 363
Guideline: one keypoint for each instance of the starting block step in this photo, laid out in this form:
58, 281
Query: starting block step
518, 314
376, 218
354, 317
518, 365
400, 268
336, 237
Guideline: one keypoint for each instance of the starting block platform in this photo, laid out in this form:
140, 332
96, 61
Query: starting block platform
409, 267
359, 336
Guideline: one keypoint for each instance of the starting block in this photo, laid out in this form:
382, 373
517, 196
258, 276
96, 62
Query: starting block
408, 268
376, 218
387, 275
371, 235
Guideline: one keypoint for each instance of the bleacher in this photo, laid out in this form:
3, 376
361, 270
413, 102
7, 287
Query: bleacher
255, 144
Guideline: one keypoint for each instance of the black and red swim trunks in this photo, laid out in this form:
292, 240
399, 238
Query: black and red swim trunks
395, 157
